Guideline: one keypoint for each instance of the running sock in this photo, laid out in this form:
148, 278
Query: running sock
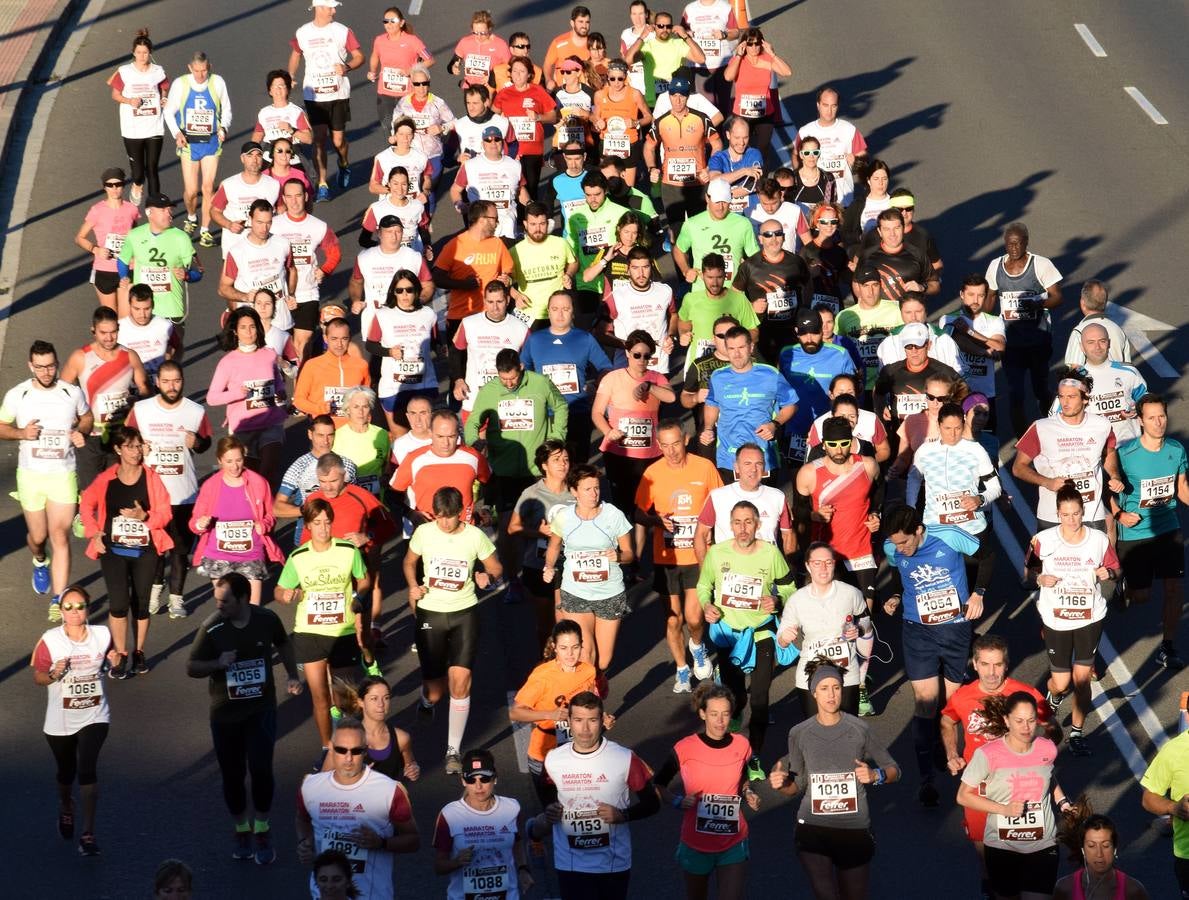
460, 709
244, 827
1075, 731
425, 702
924, 737
261, 826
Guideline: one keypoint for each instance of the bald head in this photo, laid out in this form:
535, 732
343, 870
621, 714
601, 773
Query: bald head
1096, 343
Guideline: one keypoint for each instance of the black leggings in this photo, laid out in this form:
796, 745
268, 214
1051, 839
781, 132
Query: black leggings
129, 581
624, 473
178, 558
530, 167
242, 748
78, 754
981, 564
761, 680
1024, 368
144, 155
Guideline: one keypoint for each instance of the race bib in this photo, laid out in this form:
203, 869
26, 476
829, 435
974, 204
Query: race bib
515, 414
394, 80
82, 692
447, 574
599, 236
703, 347
832, 163
907, 404
1027, 827
681, 168
246, 679
302, 251
486, 882
150, 102
835, 649
829, 301
261, 393
408, 371
752, 106
160, 280
1020, 306
563, 375
1152, 491
974, 364
571, 134
114, 243
111, 405
617, 145
334, 396
949, 509
709, 41
370, 483
235, 536
1074, 602
523, 127
717, 814
52, 443
584, 830
589, 566
1113, 406
833, 793
165, 460
345, 844
200, 123
869, 350
780, 307
129, 532
1086, 483
682, 535
476, 66
637, 432
500, 196
798, 449
938, 606
739, 591
326, 607
325, 83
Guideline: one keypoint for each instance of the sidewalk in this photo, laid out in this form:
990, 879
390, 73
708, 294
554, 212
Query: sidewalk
26, 30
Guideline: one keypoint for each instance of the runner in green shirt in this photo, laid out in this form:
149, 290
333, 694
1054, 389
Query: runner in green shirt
869, 321
717, 230
591, 228
544, 263
704, 305
161, 256
738, 587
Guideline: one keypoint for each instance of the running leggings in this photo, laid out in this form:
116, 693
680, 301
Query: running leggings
144, 155
129, 582
531, 164
761, 680
244, 748
178, 558
78, 754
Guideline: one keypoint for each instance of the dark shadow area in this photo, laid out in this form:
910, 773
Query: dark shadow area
856, 93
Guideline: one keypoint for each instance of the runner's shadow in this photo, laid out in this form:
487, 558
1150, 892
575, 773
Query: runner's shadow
856, 93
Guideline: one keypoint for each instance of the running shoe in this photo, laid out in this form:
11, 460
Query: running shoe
323, 193
755, 771
41, 576
1167, 656
206, 239
736, 724
140, 665
453, 762
242, 850
177, 607
1054, 702
265, 854
1078, 745
320, 761
87, 845
190, 225
120, 670
372, 668
927, 796
55, 612
865, 707
424, 712
681, 682
155, 599
702, 667
335, 714
136, 195
77, 528
66, 823
344, 177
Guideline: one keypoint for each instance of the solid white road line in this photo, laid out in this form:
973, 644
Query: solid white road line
415, 10
1091, 41
1106, 707
1146, 105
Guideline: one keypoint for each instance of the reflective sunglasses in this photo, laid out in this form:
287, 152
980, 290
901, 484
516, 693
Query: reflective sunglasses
837, 445
481, 779
350, 751
771, 234
811, 152
113, 184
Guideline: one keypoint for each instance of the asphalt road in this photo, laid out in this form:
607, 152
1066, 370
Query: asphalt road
990, 112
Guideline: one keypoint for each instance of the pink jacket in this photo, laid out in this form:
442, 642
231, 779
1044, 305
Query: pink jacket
92, 506
259, 495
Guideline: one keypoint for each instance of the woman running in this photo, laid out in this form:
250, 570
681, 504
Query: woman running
1093, 842
389, 749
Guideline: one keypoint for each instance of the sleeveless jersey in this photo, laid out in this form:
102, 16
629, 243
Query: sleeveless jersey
483, 339
78, 700
1076, 600
413, 331
1022, 297
849, 493
148, 341
491, 833
107, 385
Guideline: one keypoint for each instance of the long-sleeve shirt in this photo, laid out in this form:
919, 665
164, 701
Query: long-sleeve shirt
518, 421
249, 385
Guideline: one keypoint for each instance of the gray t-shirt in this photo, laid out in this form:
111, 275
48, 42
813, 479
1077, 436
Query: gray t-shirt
535, 506
822, 759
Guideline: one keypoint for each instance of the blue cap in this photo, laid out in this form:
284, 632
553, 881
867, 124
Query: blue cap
681, 86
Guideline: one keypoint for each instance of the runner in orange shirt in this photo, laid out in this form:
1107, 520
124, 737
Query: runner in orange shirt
676, 152
618, 117
569, 43
469, 261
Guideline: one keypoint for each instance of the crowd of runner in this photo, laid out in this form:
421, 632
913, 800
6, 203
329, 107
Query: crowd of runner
654, 356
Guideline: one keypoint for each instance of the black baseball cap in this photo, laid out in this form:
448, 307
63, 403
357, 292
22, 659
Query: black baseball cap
391, 221
249, 146
478, 762
808, 321
158, 201
866, 274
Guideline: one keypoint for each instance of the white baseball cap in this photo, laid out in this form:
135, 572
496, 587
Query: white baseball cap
329, 3
718, 191
914, 334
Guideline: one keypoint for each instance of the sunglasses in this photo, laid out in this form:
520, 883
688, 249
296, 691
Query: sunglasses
836, 445
480, 33
616, 78
755, 43
113, 184
771, 234
521, 46
573, 153
277, 150
402, 290
420, 84
905, 209
935, 398
390, 21
640, 355
914, 347
73, 607
665, 27
493, 140
722, 336
350, 751
811, 152
481, 779
827, 221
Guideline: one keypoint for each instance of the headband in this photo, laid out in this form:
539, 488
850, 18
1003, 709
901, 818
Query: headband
1073, 383
821, 673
